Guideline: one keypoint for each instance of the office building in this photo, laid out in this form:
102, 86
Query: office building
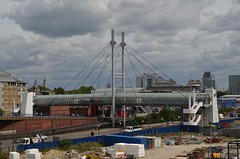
234, 85
208, 80
148, 80
11, 90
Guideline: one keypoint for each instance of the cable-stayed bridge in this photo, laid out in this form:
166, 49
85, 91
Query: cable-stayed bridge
191, 102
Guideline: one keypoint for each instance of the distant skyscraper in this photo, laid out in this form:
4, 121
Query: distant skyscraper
148, 80
234, 84
208, 80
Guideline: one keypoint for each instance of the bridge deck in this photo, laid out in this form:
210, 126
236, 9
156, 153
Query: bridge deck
128, 99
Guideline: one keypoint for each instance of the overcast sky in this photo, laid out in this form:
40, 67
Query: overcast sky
183, 38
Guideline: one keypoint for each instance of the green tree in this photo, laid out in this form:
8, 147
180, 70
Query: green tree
221, 110
169, 115
81, 90
42, 89
228, 109
1, 111
221, 93
59, 90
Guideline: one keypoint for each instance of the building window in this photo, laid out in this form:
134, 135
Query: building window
19, 96
9, 96
9, 104
9, 89
3, 104
2, 89
23, 89
13, 95
13, 89
2, 96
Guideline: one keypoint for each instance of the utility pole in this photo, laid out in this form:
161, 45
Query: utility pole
210, 124
113, 81
53, 121
13, 107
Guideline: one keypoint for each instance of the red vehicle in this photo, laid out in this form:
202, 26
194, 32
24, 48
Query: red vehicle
170, 123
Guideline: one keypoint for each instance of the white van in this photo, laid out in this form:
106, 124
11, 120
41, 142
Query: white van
221, 116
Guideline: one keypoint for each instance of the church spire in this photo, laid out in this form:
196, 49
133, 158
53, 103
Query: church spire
35, 83
45, 82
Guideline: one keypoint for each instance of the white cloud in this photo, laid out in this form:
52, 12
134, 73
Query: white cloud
60, 37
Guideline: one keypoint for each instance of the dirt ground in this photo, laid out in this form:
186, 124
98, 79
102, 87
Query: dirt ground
166, 151
54, 154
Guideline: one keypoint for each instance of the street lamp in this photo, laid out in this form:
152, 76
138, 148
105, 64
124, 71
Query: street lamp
98, 127
120, 123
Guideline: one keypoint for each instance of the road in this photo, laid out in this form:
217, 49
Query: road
86, 133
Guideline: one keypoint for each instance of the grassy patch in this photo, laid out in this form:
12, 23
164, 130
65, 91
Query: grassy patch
45, 150
88, 146
64, 144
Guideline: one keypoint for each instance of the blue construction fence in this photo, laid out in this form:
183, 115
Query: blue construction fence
227, 120
153, 131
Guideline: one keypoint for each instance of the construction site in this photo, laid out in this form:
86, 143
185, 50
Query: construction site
167, 142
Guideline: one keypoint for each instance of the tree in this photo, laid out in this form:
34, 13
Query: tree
1, 111
42, 89
59, 90
81, 90
221, 93
169, 115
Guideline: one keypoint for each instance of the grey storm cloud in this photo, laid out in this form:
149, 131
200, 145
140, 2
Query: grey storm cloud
227, 22
60, 17
168, 33
159, 18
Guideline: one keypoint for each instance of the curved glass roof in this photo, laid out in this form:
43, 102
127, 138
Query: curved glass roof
128, 99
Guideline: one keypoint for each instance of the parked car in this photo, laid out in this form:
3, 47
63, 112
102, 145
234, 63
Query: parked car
131, 129
170, 123
221, 116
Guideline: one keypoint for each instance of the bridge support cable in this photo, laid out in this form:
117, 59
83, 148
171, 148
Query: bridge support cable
131, 53
102, 51
98, 63
149, 62
105, 64
135, 68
